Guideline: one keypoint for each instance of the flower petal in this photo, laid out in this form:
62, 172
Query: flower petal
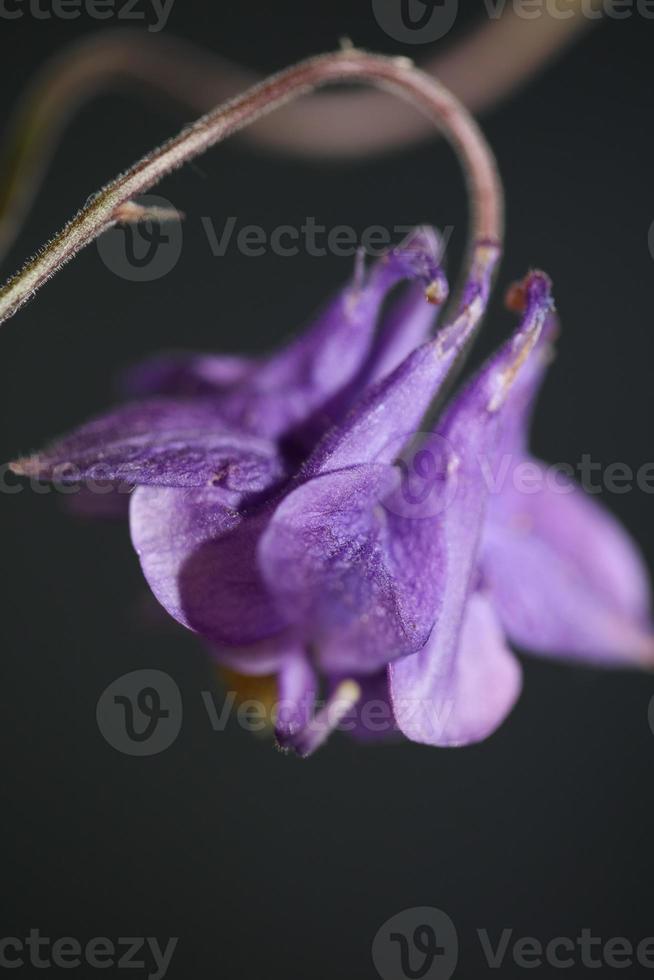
162, 442
358, 574
297, 688
408, 324
197, 552
186, 374
471, 428
463, 699
566, 578
291, 386
264, 657
270, 395
394, 408
359, 580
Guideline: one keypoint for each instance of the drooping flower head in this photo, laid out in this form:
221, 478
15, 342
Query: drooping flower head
331, 514
300, 515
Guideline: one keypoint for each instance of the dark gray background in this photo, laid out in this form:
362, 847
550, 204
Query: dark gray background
261, 864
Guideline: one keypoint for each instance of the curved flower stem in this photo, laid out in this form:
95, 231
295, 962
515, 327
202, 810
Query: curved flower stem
394, 74
480, 69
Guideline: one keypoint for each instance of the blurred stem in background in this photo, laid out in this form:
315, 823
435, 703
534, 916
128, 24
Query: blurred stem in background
114, 203
480, 69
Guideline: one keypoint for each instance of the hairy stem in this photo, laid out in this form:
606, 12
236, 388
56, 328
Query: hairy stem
492, 60
396, 75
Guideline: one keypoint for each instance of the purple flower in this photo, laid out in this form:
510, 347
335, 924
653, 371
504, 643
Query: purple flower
300, 514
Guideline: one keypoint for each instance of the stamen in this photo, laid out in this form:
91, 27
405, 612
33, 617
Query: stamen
327, 719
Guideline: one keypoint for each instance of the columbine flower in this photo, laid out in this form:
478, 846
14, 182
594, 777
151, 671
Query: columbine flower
318, 515
272, 513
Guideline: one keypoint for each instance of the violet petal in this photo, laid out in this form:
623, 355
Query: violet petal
297, 689
471, 427
186, 374
450, 701
277, 393
359, 575
359, 580
163, 442
197, 553
566, 578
